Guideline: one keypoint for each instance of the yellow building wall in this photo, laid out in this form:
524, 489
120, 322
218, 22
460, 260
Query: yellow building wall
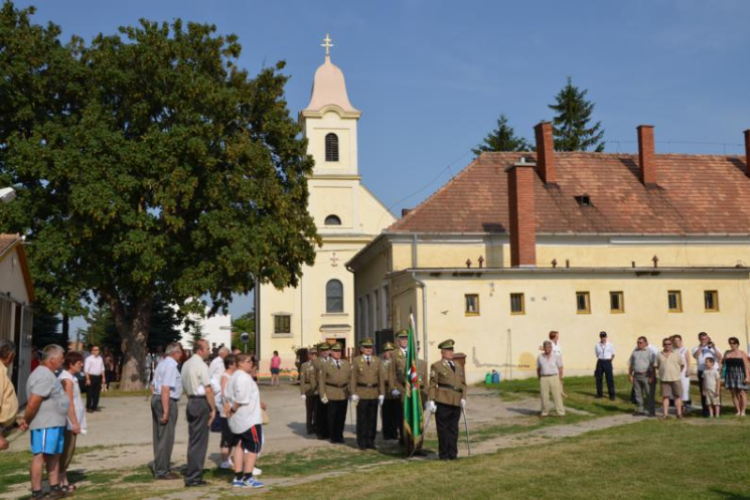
346, 129
496, 338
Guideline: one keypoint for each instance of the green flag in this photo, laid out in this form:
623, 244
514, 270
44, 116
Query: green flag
413, 415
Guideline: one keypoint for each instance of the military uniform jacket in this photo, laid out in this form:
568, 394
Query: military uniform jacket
385, 370
308, 379
367, 381
447, 387
398, 368
334, 382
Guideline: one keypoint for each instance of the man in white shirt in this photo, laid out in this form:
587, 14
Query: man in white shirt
605, 354
705, 349
216, 368
166, 390
201, 410
93, 367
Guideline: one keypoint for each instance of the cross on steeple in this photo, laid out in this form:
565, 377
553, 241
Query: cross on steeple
327, 44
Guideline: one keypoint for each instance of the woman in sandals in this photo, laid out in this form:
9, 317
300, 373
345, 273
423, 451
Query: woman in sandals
72, 366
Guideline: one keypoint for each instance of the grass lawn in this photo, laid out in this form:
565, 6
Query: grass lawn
652, 459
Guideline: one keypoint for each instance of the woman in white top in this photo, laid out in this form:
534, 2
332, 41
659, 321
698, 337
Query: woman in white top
685, 373
226, 434
72, 366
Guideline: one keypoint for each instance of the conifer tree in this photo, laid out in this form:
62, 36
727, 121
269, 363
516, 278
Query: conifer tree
503, 138
571, 122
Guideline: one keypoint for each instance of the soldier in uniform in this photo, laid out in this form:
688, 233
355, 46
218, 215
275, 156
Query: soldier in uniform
321, 410
389, 411
334, 381
447, 396
308, 387
367, 388
398, 379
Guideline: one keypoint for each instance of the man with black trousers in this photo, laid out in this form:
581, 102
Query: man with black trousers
447, 397
308, 388
335, 377
389, 412
201, 410
93, 367
367, 389
321, 410
605, 354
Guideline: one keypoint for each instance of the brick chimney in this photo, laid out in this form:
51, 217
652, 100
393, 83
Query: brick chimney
747, 151
522, 214
646, 155
545, 152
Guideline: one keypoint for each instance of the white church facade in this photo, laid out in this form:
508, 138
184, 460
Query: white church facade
348, 216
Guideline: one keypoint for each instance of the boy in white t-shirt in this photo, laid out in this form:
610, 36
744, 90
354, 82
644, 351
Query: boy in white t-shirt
242, 406
712, 387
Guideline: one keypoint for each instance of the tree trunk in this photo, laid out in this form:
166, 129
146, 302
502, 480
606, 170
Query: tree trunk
134, 335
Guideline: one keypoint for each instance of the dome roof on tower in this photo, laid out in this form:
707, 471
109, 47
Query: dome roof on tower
329, 89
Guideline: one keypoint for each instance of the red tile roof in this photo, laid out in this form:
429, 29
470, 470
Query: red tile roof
697, 194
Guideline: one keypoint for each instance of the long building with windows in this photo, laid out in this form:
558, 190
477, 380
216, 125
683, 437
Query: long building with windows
518, 244
348, 217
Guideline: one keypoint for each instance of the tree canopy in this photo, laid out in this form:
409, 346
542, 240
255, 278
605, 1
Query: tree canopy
572, 129
503, 138
151, 164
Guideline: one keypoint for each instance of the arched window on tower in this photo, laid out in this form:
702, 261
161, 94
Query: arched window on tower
333, 220
332, 147
334, 296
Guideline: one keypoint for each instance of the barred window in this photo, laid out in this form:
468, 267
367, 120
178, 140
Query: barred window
282, 323
334, 296
332, 147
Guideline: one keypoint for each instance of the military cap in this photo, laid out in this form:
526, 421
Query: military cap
367, 342
388, 346
446, 344
336, 347
324, 346
402, 334
312, 350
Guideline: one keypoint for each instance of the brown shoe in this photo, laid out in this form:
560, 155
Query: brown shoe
169, 476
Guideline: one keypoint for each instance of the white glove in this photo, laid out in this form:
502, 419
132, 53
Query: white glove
304, 398
431, 406
355, 399
463, 403
381, 398
395, 393
324, 400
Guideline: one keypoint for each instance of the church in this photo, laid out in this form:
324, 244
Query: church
348, 216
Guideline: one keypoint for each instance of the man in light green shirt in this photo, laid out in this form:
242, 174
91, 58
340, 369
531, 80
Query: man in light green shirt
201, 410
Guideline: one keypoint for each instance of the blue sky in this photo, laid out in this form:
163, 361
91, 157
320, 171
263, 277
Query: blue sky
431, 77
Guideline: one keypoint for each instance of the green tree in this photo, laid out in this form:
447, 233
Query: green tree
196, 334
503, 138
46, 329
172, 173
244, 323
571, 122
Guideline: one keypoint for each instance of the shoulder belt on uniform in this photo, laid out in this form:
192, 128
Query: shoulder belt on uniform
448, 386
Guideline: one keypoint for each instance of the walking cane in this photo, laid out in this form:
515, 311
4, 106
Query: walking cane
466, 426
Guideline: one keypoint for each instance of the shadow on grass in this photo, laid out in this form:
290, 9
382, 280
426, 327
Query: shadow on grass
729, 495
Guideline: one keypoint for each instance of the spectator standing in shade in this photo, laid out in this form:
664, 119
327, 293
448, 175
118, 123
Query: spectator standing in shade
705, 348
275, 368
641, 375
216, 368
46, 416
9, 400
669, 364
712, 387
94, 369
605, 354
72, 366
549, 370
166, 390
201, 410
737, 376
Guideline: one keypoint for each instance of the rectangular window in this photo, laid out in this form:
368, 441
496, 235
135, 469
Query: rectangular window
472, 304
616, 302
711, 300
674, 298
517, 305
583, 303
282, 323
